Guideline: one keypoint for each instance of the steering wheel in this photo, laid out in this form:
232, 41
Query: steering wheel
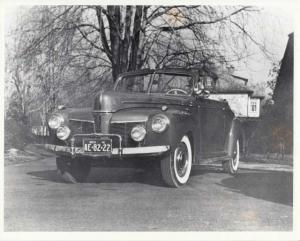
175, 91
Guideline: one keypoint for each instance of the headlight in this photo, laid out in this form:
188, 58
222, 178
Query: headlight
138, 133
63, 132
160, 123
55, 121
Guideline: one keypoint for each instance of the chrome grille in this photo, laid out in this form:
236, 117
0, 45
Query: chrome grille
102, 122
98, 123
81, 127
124, 129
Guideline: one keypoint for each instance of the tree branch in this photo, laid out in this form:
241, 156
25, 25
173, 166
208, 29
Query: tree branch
87, 39
189, 25
263, 48
104, 41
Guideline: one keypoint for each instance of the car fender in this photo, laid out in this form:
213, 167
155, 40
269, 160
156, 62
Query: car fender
182, 123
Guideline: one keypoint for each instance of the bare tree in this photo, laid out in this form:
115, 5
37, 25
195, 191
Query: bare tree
129, 37
72, 48
134, 36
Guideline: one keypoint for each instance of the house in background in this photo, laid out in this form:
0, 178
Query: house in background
283, 92
283, 100
232, 88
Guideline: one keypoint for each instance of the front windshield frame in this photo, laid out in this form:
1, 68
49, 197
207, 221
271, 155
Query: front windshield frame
173, 73
152, 75
119, 79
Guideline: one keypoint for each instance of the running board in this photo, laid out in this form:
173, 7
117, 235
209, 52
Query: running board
210, 160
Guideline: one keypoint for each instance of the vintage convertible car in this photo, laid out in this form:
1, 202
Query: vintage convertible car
162, 116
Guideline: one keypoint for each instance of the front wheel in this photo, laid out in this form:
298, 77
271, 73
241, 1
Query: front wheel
73, 170
231, 166
176, 168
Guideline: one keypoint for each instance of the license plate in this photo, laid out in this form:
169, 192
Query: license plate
97, 145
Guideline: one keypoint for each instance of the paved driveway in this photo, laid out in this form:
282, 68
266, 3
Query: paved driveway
131, 200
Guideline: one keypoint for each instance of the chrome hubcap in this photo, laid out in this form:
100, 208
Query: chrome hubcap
234, 156
181, 159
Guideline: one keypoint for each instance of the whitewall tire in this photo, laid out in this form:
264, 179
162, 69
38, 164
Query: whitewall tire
176, 168
231, 166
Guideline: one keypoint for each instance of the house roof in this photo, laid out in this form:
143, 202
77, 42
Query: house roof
258, 96
283, 92
229, 83
240, 78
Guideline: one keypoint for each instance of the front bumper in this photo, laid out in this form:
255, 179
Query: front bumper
116, 152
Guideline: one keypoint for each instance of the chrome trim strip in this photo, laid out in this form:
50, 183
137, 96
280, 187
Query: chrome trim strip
115, 151
73, 119
130, 121
145, 150
103, 111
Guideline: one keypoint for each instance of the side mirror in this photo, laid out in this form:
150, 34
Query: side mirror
61, 107
200, 91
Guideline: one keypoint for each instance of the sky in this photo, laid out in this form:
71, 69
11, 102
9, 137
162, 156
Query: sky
273, 28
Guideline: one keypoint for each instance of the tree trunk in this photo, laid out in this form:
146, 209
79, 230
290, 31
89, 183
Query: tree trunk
124, 53
136, 37
126, 41
114, 26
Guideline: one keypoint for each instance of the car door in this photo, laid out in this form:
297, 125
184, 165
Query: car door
211, 115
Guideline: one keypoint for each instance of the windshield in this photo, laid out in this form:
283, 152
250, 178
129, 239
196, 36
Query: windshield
172, 84
168, 83
134, 83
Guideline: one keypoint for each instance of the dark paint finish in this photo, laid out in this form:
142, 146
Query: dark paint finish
210, 124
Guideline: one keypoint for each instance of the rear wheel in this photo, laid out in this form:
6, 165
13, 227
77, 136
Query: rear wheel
231, 166
176, 168
73, 170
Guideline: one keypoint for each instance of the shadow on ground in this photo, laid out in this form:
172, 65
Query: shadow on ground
49, 175
271, 186
108, 175
150, 176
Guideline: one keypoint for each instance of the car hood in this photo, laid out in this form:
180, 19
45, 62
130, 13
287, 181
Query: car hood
78, 114
111, 101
